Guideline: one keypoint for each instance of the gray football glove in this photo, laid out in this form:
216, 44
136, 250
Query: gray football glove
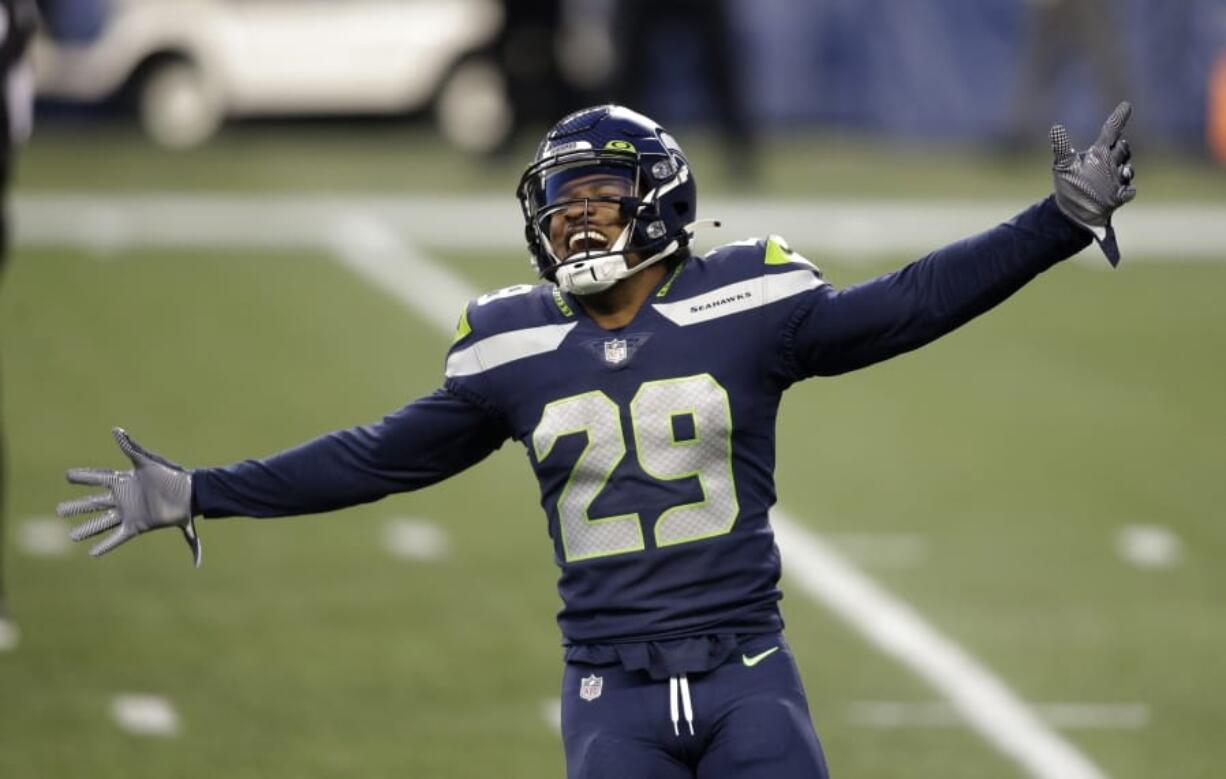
1091, 184
155, 493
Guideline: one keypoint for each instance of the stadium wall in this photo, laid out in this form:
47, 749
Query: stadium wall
943, 68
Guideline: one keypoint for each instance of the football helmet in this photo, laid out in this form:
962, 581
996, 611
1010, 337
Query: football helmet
597, 170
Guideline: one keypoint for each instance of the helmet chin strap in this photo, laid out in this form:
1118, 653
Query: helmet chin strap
597, 275
589, 277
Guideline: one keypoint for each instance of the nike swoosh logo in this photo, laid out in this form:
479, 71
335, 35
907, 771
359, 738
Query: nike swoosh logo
750, 662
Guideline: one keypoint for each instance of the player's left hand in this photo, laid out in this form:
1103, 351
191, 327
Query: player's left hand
1091, 184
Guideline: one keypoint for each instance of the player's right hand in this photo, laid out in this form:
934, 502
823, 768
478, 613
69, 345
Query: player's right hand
155, 493
1091, 184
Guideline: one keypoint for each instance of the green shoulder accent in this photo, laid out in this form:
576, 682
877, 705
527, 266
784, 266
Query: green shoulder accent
462, 328
561, 303
672, 277
777, 251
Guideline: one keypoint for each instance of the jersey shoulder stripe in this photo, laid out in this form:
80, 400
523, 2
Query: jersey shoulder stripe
507, 325
738, 277
738, 297
486, 353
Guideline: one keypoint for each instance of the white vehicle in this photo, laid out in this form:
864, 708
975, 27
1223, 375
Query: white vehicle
192, 63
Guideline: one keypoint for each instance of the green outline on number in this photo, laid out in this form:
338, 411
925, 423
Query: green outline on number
587, 517
634, 426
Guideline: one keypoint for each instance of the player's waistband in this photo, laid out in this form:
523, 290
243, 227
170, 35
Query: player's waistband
670, 657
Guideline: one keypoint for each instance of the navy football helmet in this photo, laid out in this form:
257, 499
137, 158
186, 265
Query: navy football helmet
606, 157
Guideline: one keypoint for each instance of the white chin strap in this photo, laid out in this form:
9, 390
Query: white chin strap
586, 276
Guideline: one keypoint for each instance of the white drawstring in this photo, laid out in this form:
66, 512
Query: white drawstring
681, 684
685, 703
672, 703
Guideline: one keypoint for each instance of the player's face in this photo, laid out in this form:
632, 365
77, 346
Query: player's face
592, 219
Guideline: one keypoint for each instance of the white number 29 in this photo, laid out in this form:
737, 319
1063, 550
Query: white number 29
704, 453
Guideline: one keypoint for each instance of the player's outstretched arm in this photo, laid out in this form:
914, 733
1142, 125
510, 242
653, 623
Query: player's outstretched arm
420, 444
1091, 184
155, 493
843, 330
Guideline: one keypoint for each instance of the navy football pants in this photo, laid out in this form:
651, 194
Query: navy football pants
749, 721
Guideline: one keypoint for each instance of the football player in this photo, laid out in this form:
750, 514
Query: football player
644, 384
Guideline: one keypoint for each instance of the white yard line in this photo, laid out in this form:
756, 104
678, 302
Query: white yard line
852, 229
10, 635
415, 539
1149, 547
1095, 716
551, 712
145, 715
367, 247
881, 550
984, 701
43, 537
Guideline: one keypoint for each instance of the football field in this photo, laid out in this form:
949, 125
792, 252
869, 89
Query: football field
1023, 521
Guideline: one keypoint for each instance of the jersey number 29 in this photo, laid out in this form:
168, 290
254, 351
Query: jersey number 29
663, 454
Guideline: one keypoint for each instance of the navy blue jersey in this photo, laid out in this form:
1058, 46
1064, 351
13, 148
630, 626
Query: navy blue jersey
654, 444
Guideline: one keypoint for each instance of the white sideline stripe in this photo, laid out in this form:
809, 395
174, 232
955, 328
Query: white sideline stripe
145, 715
817, 569
857, 229
1071, 716
984, 701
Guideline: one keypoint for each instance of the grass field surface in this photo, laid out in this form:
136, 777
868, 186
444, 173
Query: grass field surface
989, 480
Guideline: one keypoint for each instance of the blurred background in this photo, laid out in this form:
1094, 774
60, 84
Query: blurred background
232, 225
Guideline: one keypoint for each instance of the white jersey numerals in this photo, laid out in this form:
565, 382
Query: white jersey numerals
596, 415
682, 429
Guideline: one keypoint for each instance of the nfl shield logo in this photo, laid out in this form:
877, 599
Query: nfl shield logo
589, 688
614, 353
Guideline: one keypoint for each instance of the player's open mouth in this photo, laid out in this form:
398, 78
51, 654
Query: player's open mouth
585, 241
